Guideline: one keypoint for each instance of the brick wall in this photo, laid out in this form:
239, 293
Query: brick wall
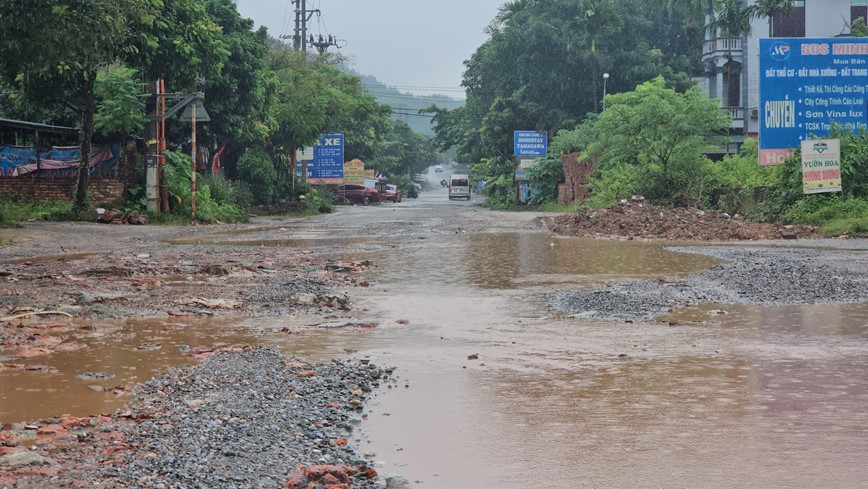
576, 178
103, 189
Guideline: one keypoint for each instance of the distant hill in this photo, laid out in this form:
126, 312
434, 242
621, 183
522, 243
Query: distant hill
405, 105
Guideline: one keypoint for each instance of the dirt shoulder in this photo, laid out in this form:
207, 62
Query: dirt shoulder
637, 219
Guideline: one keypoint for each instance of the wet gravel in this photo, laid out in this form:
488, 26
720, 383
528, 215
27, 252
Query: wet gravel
766, 276
245, 420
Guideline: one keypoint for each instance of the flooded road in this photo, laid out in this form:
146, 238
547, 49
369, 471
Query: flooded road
495, 390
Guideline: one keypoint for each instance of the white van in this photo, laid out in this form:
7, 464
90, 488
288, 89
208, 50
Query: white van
459, 187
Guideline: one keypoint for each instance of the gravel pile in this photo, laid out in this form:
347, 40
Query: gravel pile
768, 276
247, 420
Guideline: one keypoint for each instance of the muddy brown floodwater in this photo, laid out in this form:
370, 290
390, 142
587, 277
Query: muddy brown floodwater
495, 390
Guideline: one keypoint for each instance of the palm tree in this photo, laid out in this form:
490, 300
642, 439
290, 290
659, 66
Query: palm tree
693, 14
771, 9
730, 19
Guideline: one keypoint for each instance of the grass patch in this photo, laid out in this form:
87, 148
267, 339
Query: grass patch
856, 227
12, 212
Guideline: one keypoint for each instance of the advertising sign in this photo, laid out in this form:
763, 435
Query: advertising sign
530, 143
807, 85
522, 164
821, 166
327, 165
370, 174
354, 172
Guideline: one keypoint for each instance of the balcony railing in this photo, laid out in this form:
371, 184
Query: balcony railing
722, 46
737, 114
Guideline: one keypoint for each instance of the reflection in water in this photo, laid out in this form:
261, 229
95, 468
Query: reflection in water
134, 353
507, 260
755, 397
733, 396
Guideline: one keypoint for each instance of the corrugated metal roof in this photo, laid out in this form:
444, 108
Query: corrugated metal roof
35, 126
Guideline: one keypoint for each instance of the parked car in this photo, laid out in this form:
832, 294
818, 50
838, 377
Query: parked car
357, 194
438, 169
393, 193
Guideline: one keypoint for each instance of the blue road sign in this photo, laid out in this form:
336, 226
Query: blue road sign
806, 85
327, 165
531, 143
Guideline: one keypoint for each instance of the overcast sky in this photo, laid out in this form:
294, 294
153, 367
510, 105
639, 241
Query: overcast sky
404, 43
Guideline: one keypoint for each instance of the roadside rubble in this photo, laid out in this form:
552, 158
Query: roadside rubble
250, 418
635, 218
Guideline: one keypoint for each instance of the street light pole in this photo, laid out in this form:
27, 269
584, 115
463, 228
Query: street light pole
605, 79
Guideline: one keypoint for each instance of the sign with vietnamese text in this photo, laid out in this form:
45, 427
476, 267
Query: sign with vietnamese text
806, 86
821, 165
530, 143
354, 172
327, 165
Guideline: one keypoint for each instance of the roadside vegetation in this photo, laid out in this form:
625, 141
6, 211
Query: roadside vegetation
652, 131
263, 98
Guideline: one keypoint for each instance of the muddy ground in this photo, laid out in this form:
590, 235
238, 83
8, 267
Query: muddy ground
635, 218
194, 427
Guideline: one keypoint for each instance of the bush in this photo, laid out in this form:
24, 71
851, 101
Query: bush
819, 209
836, 216
320, 200
208, 209
225, 191
257, 170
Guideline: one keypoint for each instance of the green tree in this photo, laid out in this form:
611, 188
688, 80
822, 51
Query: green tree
858, 28
542, 65
184, 45
236, 97
120, 107
76, 40
662, 133
771, 9
256, 168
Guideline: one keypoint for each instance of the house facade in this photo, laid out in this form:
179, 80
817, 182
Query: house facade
732, 63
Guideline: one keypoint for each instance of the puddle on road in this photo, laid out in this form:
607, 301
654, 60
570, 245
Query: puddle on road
512, 260
119, 356
755, 397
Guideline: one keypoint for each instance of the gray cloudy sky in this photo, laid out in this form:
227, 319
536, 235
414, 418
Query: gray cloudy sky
404, 43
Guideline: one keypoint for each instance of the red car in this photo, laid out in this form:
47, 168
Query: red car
357, 194
393, 193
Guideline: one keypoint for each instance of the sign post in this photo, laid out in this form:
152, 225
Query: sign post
327, 165
821, 166
806, 87
527, 147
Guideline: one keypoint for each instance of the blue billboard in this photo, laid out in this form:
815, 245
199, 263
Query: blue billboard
327, 165
530, 143
806, 85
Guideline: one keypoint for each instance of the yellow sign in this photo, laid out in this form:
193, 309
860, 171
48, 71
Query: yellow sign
354, 172
370, 174
821, 166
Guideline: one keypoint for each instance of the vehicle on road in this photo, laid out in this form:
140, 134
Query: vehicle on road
357, 194
459, 187
393, 193
438, 169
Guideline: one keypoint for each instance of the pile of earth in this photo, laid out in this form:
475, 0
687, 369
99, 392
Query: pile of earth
637, 219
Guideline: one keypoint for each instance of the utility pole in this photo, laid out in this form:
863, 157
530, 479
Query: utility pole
302, 17
300, 38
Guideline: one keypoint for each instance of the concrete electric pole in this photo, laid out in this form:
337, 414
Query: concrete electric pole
300, 37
